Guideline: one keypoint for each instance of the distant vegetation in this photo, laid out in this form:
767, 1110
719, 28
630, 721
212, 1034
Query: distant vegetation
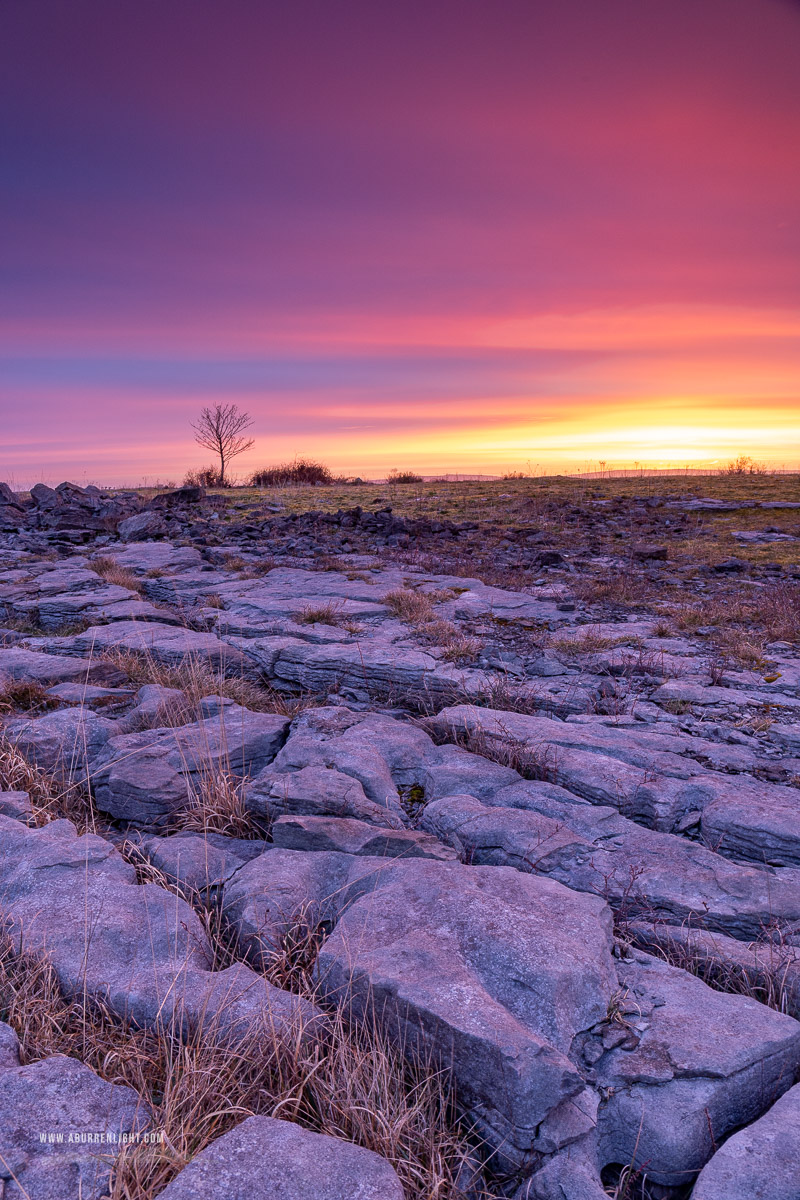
204, 477
745, 465
403, 477
300, 471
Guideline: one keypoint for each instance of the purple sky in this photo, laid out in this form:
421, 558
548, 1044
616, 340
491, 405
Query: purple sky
450, 235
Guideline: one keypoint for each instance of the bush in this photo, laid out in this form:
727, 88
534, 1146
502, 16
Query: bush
403, 477
744, 465
203, 477
301, 471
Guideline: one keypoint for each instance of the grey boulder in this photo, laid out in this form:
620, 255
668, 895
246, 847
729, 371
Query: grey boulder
143, 778
267, 1159
141, 527
490, 971
137, 948
356, 837
315, 791
690, 1065
59, 1126
64, 743
761, 1162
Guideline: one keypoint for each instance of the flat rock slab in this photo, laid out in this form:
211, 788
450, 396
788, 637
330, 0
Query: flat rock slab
492, 971
200, 862
761, 1162
266, 1159
92, 695
143, 778
169, 644
17, 805
540, 828
704, 1063
59, 1126
35, 666
340, 763
315, 791
142, 557
356, 837
136, 947
649, 776
373, 665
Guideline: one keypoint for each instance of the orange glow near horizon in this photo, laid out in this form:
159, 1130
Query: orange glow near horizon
449, 238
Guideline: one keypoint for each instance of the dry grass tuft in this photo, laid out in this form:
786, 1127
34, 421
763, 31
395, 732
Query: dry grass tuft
51, 797
218, 805
234, 562
626, 589
458, 647
531, 762
589, 641
321, 614
110, 570
743, 623
25, 695
415, 608
289, 964
770, 977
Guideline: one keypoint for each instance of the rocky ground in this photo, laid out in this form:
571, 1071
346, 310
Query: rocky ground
426, 842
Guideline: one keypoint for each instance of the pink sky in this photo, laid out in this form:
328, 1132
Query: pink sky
448, 235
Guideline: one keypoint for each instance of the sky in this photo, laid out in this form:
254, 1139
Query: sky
448, 235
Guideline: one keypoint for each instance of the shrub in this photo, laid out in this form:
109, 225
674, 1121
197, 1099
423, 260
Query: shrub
300, 471
203, 477
744, 465
403, 477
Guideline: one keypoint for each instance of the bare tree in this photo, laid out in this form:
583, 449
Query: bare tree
220, 429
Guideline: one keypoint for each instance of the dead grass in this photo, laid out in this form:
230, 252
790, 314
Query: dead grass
289, 963
30, 626
458, 647
24, 695
625, 589
767, 980
415, 608
51, 797
110, 570
744, 621
217, 805
321, 614
24, 625
506, 501
741, 646
234, 562
531, 762
589, 641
